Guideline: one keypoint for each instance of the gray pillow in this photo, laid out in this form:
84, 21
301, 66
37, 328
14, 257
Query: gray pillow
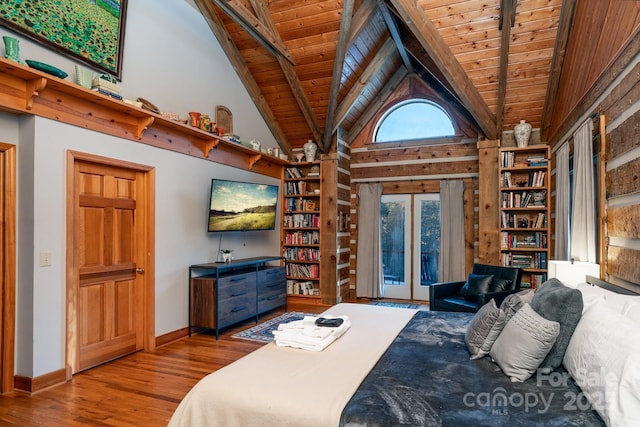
523, 343
557, 302
476, 284
514, 302
499, 285
483, 330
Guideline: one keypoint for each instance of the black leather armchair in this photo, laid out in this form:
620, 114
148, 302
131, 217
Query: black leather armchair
447, 296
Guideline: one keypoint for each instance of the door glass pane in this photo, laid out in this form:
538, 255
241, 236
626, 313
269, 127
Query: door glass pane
429, 240
392, 217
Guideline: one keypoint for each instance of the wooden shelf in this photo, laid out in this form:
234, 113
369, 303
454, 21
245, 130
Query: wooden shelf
523, 173
25, 90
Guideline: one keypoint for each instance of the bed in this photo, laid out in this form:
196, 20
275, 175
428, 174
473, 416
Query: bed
393, 367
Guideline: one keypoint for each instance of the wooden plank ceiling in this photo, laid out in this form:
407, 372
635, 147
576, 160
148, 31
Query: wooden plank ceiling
313, 66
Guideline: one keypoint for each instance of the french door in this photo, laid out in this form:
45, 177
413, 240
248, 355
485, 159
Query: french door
410, 238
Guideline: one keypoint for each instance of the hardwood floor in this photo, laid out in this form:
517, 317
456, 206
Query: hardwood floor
142, 389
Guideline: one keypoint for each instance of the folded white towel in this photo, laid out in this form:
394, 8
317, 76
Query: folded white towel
303, 335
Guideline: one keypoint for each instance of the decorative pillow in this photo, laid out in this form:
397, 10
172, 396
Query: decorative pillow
603, 357
557, 302
631, 311
523, 343
591, 295
514, 302
499, 285
483, 330
476, 284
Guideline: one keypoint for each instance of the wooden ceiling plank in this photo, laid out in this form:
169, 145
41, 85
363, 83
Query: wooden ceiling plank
361, 19
395, 35
374, 107
559, 51
224, 38
376, 65
239, 13
507, 19
299, 94
427, 34
341, 50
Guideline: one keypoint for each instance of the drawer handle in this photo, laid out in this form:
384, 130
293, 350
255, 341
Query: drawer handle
239, 293
237, 279
237, 309
274, 285
271, 298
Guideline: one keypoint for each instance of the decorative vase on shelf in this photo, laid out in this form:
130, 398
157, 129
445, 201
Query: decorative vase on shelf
11, 48
522, 133
310, 149
195, 118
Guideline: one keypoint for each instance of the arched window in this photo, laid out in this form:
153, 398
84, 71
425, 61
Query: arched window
414, 119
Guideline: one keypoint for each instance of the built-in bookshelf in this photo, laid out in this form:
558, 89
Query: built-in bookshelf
524, 211
301, 230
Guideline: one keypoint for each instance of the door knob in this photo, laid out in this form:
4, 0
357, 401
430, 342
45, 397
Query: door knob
140, 270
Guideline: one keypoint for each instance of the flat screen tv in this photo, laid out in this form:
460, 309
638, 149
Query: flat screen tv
242, 206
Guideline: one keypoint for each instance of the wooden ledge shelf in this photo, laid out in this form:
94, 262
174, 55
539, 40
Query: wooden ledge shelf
24, 90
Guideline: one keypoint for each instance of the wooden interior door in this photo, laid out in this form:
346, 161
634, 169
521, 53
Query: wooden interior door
7, 265
109, 306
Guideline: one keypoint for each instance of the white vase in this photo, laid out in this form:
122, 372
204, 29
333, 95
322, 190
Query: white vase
522, 133
310, 149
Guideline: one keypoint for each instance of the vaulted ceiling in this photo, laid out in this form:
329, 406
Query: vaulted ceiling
313, 66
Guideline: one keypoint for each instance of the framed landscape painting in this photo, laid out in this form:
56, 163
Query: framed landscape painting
91, 31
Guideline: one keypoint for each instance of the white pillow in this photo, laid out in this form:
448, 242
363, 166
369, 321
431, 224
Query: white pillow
591, 295
631, 310
603, 357
524, 343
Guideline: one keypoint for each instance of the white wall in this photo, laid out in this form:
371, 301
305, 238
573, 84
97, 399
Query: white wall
172, 59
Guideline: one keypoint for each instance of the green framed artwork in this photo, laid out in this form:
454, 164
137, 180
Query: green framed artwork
91, 31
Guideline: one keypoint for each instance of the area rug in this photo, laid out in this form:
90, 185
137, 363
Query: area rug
396, 304
262, 331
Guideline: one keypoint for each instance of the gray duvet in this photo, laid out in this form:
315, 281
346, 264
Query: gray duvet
426, 378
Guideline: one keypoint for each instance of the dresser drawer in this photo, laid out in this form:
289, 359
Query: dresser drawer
235, 309
235, 286
271, 300
270, 276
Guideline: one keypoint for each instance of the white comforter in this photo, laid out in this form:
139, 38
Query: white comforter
282, 386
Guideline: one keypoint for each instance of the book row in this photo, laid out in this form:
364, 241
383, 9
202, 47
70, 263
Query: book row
535, 260
301, 254
301, 288
302, 220
514, 220
532, 179
302, 238
508, 159
517, 240
523, 199
296, 204
309, 271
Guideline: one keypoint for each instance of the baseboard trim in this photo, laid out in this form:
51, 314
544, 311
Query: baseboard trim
43, 382
171, 336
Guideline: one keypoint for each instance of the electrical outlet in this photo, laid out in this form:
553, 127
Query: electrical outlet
45, 259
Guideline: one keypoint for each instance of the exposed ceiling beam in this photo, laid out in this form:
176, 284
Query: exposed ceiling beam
338, 65
247, 20
242, 70
374, 107
395, 34
507, 20
427, 34
559, 51
377, 63
263, 14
